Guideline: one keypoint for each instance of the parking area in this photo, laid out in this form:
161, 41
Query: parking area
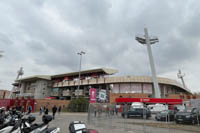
117, 124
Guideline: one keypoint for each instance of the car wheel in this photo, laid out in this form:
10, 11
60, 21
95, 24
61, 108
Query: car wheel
127, 116
144, 117
193, 122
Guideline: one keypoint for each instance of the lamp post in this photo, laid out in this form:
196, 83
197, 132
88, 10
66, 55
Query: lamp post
79, 75
148, 41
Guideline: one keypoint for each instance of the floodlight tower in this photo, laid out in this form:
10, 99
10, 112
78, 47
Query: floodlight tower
20, 72
181, 75
148, 41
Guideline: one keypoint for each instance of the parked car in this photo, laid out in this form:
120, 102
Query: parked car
157, 107
165, 115
137, 112
137, 105
188, 117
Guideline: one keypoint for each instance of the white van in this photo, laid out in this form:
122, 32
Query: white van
157, 107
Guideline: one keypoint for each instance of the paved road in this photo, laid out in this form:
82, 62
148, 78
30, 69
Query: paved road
108, 125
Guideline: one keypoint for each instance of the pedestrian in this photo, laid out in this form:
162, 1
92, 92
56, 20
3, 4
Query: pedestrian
44, 108
59, 109
41, 110
54, 109
107, 110
29, 109
22, 109
95, 111
116, 109
46, 111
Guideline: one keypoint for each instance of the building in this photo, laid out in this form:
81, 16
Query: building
4, 94
37, 87
64, 86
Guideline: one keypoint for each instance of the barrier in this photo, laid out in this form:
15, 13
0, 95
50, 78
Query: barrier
23, 103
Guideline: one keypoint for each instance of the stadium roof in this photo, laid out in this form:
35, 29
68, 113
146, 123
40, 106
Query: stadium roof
45, 77
107, 71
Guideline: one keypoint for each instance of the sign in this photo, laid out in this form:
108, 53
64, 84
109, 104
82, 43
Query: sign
150, 100
93, 95
102, 95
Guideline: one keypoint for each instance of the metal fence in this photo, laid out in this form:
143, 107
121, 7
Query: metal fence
117, 119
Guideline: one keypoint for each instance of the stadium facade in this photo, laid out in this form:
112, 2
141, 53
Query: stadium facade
65, 86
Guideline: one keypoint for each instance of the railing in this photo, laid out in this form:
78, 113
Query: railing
55, 93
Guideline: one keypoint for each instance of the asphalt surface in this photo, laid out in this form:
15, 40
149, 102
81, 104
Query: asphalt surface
116, 124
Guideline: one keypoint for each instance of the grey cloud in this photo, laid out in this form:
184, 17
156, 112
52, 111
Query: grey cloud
5, 40
105, 30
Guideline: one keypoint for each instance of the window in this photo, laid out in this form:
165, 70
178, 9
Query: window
147, 88
115, 88
136, 88
124, 88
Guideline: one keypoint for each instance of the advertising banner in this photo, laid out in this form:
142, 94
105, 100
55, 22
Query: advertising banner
92, 95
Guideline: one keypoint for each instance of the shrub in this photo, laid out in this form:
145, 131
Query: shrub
78, 105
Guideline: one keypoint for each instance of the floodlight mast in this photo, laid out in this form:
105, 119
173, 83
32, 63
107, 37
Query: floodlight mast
180, 75
148, 41
20, 72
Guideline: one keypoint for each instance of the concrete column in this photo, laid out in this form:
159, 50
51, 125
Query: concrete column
22, 88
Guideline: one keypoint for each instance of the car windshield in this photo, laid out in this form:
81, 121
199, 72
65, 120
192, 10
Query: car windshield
133, 109
164, 112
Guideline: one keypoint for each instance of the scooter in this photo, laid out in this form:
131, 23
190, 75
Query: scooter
24, 125
10, 123
80, 127
28, 127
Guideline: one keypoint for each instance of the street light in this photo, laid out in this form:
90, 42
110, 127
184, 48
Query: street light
148, 41
79, 76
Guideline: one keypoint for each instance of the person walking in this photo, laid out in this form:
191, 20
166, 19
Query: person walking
22, 109
54, 109
59, 109
41, 110
46, 111
29, 109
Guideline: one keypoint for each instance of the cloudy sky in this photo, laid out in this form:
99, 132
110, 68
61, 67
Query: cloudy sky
44, 36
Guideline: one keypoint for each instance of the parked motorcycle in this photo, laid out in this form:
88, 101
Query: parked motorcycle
80, 127
16, 122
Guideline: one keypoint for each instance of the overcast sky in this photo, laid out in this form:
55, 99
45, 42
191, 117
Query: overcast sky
44, 36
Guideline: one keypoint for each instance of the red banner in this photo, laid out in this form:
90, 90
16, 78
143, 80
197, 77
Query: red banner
150, 100
93, 95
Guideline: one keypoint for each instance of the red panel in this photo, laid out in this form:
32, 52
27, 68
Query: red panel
4, 102
149, 100
17, 102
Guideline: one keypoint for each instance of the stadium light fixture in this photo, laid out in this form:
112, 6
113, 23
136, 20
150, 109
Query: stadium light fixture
148, 41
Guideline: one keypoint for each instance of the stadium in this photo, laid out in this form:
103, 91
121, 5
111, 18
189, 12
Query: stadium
67, 86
